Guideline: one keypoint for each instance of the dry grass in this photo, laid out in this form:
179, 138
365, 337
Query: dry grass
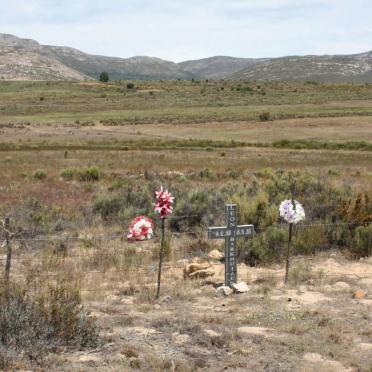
188, 328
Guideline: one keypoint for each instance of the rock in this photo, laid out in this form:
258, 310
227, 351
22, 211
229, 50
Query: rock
85, 236
212, 333
366, 281
165, 299
341, 286
302, 288
142, 331
157, 306
256, 331
214, 282
91, 359
112, 298
198, 270
359, 294
240, 287
96, 314
224, 291
365, 346
315, 361
182, 262
180, 339
215, 255
202, 274
127, 301
193, 267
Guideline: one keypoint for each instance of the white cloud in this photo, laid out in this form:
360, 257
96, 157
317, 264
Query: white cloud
179, 30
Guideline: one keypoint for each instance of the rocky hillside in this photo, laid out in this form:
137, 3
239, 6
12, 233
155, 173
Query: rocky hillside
342, 68
26, 59
217, 67
118, 68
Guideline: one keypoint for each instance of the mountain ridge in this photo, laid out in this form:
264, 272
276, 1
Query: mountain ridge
26, 59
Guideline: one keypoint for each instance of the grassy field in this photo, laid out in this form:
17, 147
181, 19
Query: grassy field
178, 101
79, 160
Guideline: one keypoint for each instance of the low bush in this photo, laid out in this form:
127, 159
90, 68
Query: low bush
40, 174
299, 273
264, 116
256, 209
87, 174
124, 205
363, 241
35, 323
198, 207
68, 173
263, 248
309, 239
310, 144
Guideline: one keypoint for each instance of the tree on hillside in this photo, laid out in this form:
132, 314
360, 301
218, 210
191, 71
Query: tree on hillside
104, 77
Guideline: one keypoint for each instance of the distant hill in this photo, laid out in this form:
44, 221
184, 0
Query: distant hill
26, 59
118, 68
217, 67
339, 68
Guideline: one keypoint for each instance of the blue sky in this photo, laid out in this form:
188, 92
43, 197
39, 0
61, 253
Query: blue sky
181, 30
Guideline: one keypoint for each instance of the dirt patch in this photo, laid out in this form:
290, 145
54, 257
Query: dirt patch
316, 361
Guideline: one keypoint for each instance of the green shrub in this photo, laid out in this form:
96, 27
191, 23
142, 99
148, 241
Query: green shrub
34, 324
108, 206
68, 173
264, 116
130, 86
40, 174
104, 77
309, 239
124, 205
206, 173
200, 246
40, 217
263, 248
89, 174
255, 209
363, 241
200, 207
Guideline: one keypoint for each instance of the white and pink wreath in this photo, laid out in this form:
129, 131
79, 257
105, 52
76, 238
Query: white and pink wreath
141, 228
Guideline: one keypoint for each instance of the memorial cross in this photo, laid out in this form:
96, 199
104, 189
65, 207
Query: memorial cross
230, 233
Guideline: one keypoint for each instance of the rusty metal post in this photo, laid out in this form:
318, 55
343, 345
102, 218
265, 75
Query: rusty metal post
161, 255
290, 233
8, 263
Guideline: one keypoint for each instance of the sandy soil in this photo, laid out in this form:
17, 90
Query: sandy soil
312, 324
322, 129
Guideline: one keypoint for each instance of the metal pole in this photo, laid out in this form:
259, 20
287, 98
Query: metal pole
288, 253
161, 254
8, 249
290, 232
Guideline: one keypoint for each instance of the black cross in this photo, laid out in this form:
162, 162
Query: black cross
230, 232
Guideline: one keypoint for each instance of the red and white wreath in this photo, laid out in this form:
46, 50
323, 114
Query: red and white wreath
141, 228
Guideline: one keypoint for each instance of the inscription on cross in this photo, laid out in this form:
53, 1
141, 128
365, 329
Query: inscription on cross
230, 233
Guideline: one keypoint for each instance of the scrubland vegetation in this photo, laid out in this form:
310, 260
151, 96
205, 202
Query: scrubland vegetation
77, 166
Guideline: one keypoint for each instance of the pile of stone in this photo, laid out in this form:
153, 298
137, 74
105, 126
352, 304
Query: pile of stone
198, 271
215, 255
240, 287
